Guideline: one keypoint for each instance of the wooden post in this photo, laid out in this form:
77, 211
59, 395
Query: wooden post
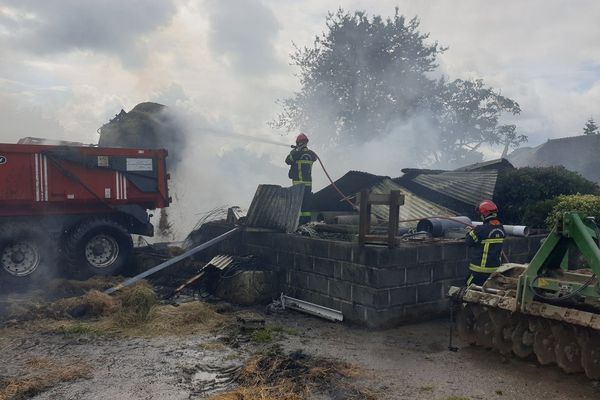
394, 218
364, 220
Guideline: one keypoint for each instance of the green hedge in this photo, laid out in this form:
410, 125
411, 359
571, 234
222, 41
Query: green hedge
527, 195
587, 204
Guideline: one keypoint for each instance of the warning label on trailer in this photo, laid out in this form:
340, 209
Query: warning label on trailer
103, 161
139, 164
2, 160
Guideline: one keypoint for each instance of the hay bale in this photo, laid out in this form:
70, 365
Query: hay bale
91, 304
136, 303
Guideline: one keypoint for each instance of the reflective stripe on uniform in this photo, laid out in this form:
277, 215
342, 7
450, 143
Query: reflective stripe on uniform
470, 279
300, 163
302, 183
484, 270
486, 249
474, 236
306, 213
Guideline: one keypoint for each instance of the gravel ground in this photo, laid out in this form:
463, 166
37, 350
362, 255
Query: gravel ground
409, 362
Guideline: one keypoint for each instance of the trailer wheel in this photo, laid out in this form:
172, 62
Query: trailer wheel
26, 254
98, 247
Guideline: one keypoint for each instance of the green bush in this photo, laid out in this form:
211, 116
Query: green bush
587, 204
527, 195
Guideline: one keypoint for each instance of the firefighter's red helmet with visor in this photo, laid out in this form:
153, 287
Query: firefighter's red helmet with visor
487, 208
301, 139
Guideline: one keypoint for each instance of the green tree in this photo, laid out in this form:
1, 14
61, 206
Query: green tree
366, 75
590, 127
527, 195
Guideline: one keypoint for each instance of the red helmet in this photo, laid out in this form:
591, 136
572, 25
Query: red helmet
301, 139
487, 207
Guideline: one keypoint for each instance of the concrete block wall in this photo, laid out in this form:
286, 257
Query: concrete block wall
372, 286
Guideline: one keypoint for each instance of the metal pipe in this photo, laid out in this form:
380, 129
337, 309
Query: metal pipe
513, 230
438, 227
173, 260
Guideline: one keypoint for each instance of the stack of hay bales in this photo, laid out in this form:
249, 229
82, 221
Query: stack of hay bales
147, 125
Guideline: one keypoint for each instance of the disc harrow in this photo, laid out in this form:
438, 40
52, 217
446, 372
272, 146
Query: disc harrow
573, 349
548, 309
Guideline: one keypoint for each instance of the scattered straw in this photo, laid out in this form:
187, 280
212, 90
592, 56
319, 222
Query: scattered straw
133, 311
40, 374
136, 304
294, 377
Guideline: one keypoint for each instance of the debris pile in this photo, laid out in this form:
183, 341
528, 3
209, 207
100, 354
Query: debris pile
134, 311
294, 376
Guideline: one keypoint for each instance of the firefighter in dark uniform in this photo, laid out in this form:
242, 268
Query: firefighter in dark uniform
485, 242
300, 161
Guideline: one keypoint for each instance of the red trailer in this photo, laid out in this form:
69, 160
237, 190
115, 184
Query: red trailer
81, 203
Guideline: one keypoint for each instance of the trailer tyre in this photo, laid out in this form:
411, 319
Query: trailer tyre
98, 247
27, 254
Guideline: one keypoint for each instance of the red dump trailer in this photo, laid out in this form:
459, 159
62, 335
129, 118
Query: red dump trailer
75, 204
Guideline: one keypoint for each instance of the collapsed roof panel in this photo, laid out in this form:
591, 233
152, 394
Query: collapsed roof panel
468, 187
328, 199
414, 207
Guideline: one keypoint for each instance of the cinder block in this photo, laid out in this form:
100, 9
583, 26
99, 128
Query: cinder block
340, 290
285, 260
310, 246
369, 296
266, 254
445, 269
341, 251
354, 273
404, 255
385, 277
403, 295
299, 279
318, 247
303, 263
454, 252
283, 242
354, 312
325, 267
318, 283
516, 246
259, 238
418, 274
368, 255
429, 293
429, 253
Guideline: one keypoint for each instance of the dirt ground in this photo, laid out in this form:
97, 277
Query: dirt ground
410, 362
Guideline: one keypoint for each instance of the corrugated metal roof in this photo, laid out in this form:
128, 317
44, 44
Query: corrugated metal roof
497, 164
276, 208
414, 207
468, 187
328, 199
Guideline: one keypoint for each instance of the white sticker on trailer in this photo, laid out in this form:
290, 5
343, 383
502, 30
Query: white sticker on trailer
139, 164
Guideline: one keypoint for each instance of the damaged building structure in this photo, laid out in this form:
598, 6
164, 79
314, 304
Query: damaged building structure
375, 284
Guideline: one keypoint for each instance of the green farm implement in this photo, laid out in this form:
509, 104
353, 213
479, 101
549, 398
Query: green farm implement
548, 308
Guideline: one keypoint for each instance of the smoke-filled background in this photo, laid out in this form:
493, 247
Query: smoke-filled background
67, 67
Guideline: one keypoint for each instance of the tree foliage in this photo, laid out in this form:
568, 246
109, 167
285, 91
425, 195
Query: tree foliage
590, 127
528, 195
587, 204
364, 76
